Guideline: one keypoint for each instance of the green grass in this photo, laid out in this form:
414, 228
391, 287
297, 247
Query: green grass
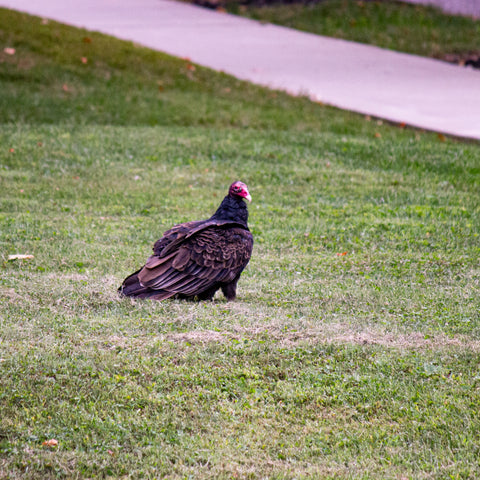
363, 365
398, 26
124, 84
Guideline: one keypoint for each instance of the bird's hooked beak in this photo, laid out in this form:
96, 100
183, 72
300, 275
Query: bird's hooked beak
248, 197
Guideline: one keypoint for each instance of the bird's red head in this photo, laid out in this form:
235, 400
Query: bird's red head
239, 189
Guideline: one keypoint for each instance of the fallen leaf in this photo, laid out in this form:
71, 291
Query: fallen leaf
84, 60
161, 88
110, 452
378, 135
402, 124
65, 87
341, 254
12, 150
315, 99
39, 144
441, 137
87, 40
191, 67
50, 443
20, 257
9, 51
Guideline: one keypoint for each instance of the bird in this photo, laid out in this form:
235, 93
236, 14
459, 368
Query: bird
193, 260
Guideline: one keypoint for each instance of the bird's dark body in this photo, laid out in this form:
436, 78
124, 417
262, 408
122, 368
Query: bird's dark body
195, 259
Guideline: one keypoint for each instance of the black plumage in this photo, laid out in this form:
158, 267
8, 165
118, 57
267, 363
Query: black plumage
195, 259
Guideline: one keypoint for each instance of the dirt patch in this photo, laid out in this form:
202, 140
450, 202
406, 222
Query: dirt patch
332, 333
13, 297
76, 277
199, 336
10, 293
337, 333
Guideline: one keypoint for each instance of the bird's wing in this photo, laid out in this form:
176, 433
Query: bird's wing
174, 237
214, 254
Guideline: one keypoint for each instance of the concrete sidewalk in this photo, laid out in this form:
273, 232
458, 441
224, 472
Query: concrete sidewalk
402, 88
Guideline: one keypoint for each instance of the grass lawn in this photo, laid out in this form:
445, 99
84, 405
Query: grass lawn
417, 29
353, 350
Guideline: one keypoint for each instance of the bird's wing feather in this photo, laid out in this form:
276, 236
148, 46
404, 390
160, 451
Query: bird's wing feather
179, 233
213, 254
171, 238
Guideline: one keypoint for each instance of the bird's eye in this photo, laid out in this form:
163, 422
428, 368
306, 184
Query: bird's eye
236, 189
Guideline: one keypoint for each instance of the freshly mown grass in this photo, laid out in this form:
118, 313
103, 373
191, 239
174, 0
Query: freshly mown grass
418, 29
353, 348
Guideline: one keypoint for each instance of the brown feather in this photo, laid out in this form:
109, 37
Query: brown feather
181, 259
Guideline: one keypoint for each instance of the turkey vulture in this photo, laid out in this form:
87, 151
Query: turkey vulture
195, 259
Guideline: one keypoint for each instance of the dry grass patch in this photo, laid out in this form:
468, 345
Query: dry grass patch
328, 334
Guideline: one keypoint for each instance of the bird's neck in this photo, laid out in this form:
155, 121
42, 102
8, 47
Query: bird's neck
233, 209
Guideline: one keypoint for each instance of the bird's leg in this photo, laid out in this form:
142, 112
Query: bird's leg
230, 290
207, 294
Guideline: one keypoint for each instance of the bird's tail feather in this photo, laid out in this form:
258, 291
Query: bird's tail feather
131, 287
